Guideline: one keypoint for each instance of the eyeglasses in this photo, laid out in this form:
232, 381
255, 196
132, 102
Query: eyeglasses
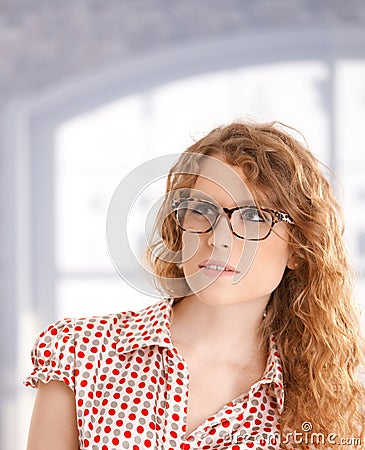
246, 222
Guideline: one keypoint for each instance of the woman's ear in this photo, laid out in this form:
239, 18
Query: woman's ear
293, 262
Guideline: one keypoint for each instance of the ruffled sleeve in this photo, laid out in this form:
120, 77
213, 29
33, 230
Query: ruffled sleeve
53, 355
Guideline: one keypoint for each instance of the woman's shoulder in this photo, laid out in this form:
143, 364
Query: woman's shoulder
109, 325
76, 327
77, 341
60, 344
100, 323
68, 345
93, 326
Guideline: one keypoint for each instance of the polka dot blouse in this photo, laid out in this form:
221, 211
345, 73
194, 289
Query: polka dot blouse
131, 386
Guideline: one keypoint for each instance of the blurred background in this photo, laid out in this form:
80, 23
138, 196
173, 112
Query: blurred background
90, 89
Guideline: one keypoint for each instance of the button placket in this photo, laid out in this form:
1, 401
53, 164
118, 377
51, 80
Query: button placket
176, 396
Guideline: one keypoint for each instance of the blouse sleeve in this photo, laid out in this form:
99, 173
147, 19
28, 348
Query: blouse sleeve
53, 355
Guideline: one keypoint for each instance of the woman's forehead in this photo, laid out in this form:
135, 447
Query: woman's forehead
223, 183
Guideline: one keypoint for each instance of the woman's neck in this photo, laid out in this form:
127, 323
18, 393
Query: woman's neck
229, 332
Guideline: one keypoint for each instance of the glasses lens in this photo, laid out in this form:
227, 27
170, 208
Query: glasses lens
196, 215
251, 223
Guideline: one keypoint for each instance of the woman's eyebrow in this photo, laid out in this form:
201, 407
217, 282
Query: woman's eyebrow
234, 204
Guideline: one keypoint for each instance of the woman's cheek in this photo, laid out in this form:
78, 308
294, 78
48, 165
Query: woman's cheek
191, 244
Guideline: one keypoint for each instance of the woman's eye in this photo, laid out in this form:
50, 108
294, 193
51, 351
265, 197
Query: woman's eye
252, 215
203, 209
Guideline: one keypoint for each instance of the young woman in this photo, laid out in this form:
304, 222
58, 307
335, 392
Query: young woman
256, 342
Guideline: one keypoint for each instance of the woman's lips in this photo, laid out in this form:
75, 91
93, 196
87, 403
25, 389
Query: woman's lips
214, 269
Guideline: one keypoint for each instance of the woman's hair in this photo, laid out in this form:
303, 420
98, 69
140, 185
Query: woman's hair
311, 313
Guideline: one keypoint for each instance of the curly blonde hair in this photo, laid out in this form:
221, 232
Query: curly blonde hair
311, 313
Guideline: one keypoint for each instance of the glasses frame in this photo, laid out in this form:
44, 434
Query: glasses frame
277, 216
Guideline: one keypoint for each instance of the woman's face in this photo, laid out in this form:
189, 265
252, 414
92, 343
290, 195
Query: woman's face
259, 265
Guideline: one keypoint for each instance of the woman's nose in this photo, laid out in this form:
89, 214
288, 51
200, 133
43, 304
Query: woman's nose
221, 234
